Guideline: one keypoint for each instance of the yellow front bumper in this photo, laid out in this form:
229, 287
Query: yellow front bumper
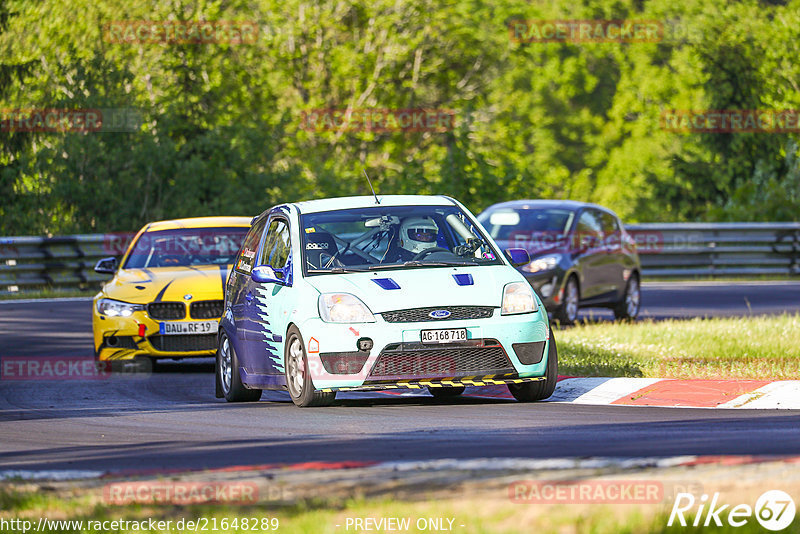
117, 338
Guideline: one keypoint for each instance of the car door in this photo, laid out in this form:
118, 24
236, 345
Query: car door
587, 241
271, 304
240, 285
615, 262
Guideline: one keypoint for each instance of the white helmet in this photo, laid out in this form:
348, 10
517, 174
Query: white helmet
418, 234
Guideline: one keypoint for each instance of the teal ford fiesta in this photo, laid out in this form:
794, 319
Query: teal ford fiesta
377, 293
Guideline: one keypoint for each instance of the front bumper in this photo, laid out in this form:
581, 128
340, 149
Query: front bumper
117, 338
490, 380
398, 359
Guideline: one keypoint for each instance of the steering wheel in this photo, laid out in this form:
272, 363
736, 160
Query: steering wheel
170, 260
427, 251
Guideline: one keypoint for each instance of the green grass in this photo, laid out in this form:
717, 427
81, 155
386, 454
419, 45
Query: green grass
763, 347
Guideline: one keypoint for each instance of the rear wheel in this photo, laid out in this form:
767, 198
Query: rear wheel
446, 392
228, 378
628, 307
535, 391
568, 312
298, 377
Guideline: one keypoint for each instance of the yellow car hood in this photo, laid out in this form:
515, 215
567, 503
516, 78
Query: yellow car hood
140, 286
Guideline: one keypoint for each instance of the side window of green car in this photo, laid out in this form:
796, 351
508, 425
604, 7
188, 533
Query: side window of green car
247, 255
277, 247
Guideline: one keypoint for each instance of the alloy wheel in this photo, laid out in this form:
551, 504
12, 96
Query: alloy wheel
296, 368
633, 298
225, 367
571, 300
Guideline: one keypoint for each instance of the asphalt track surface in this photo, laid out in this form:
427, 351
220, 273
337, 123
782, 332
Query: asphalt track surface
171, 420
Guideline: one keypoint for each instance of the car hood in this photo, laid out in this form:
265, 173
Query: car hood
141, 286
421, 287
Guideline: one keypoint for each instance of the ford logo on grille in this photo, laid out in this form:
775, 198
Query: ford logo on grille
439, 314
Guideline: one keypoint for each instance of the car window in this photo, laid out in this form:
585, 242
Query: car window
185, 247
277, 245
611, 231
509, 224
247, 255
609, 222
589, 231
394, 237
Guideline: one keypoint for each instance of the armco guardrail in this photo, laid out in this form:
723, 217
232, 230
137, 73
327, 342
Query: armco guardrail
667, 250
686, 250
30, 263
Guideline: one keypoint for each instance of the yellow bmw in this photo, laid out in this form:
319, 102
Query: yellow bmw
166, 296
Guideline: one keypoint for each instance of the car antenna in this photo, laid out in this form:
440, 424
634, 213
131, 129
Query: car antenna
370, 186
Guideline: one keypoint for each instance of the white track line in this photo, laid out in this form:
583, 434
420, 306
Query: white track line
777, 395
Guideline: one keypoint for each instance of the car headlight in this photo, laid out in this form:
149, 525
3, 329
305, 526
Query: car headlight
518, 298
343, 308
116, 308
545, 263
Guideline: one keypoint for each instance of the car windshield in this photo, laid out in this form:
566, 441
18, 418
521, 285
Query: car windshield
392, 237
512, 224
186, 247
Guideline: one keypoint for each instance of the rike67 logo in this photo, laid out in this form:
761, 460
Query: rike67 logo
774, 510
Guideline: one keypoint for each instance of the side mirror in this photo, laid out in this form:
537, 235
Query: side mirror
264, 274
517, 256
106, 266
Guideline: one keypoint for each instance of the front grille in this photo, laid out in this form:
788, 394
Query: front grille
206, 309
184, 343
406, 362
166, 310
414, 315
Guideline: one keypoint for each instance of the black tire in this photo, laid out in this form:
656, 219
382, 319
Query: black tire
446, 392
229, 382
298, 380
628, 308
536, 391
567, 313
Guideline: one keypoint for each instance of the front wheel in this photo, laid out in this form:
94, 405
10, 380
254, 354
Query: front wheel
298, 377
229, 382
535, 391
567, 313
628, 307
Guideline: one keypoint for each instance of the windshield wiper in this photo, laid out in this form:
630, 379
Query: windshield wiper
337, 270
417, 263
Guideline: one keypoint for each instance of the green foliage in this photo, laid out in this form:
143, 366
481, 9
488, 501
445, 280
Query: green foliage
221, 129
